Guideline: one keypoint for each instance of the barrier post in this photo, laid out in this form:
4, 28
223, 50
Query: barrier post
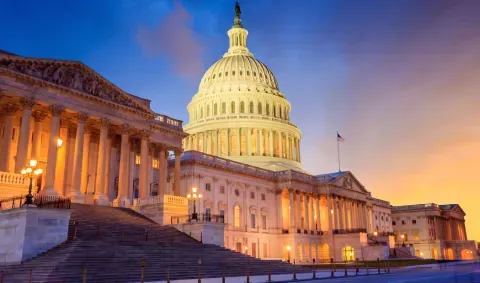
199, 264
168, 274
30, 276
223, 273
385, 266
143, 269
269, 273
378, 265
85, 274
356, 267
346, 274
366, 265
388, 266
248, 270
331, 268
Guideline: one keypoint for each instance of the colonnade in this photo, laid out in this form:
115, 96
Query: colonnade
75, 131
348, 213
245, 142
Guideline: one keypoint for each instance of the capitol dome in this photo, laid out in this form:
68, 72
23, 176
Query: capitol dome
239, 112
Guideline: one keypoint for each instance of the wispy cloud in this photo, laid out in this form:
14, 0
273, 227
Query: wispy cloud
175, 39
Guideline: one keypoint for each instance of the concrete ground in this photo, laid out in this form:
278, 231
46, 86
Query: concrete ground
466, 273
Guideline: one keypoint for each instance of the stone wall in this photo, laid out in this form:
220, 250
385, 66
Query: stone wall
206, 232
28, 231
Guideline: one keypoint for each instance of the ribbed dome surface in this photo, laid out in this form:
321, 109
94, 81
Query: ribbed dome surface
238, 68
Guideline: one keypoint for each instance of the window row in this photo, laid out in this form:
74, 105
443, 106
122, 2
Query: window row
275, 111
208, 188
233, 73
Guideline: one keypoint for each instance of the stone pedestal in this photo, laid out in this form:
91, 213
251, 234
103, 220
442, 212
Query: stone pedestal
121, 202
206, 232
101, 199
28, 231
77, 197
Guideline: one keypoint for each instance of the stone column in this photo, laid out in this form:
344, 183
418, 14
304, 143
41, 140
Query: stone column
60, 171
217, 143
70, 161
76, 193
348, 208
298, 210
238, 147
306, 207
342, 214
123, 174
280, 145
270, 143
108, 164
299, 156
38, 117
291, 208
319, 213
248, 132
162, 180
49, 190
86, 178
100, 196
143, 174
24, 138
9, 110
228, 141
329, 213
259, 142
205, 142
176, 184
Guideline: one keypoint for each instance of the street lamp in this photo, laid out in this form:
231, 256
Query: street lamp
31, 172
288, 254
375, 233
193, 196
246, 250
59, 143
403, 238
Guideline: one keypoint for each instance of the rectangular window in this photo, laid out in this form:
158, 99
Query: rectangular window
137, 159
222, 189
264, 222
393, 223
252, 220
403, 222
222, 212
263, 197
254, 249
414, 221
207, 211
207, 187
155, 163
252, 195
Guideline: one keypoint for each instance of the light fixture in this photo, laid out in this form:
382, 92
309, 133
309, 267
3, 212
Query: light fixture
194, 189
33, 163
23, 172
331, 211
59, 143
246, 248
375, 233
288, 248
403, 236
189, 196
29, 170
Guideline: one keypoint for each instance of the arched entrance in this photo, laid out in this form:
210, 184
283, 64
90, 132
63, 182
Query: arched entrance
348, 253
449, 254
323, 253
467, 254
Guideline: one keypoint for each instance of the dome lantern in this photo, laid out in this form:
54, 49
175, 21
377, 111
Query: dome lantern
238, 36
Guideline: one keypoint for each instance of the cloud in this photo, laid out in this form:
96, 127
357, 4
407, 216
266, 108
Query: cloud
174, 39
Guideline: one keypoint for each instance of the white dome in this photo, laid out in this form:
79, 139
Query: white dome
239, 112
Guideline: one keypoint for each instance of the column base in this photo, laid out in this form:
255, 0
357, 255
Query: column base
121, 202
77, 197
101, 199
49, 191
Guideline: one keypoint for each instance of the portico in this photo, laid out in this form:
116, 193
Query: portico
95, 142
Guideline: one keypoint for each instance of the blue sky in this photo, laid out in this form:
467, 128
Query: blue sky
398, 79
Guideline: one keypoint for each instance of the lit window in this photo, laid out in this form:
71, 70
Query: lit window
236, 216
155, 163
137, 159
415, 238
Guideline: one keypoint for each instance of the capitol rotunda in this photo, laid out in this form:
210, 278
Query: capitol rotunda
240, 113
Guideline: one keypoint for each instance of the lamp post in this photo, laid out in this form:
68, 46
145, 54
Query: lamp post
375, 233
246, 250
193, 196
30, 172
403, 238
288, 254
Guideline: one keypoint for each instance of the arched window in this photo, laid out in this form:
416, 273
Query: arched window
274, 111
215, 109
242, 107
268, 109
260, 108
232, 107
208, 110
280, 112
201, 113
236, 216
251, 107
224, 108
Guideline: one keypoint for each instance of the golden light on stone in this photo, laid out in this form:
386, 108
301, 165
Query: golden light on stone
59, 143
29, 170
375, 233
288, 248
23, 171
33, 163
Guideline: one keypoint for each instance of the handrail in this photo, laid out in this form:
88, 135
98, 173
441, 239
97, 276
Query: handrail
40, 201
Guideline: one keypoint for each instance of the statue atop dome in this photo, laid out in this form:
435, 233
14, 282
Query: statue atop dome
237, 22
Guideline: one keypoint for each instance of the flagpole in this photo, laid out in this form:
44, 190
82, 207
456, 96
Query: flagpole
338, 153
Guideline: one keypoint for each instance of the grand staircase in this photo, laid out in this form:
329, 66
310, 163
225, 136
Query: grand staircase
107, 244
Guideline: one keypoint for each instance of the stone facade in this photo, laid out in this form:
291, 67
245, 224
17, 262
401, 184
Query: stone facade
435, 231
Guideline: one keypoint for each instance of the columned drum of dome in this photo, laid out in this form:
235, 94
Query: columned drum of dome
240, 113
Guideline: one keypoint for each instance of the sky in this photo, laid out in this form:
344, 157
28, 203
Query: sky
400, 80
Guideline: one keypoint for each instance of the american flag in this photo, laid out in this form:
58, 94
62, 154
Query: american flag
339, 138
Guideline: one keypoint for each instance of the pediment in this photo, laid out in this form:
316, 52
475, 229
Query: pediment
349, 181
459, 210
72, 75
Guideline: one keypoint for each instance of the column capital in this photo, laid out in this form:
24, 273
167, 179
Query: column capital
65, 123
95, 137
10, 109
145, 134
56, 109
82, 117
151, 148
39, 116
72, 131
104, 123
27, 103
125, 129
177, 151
111, 135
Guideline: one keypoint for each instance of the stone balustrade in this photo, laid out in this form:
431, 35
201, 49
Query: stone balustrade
169, 199
12, 179
170, 122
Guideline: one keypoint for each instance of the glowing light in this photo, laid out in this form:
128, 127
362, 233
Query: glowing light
375, 233
59, 143
331, 211
189, 196
288, 248
23, 171
33, 163
199, 195
29, 170
194, 190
